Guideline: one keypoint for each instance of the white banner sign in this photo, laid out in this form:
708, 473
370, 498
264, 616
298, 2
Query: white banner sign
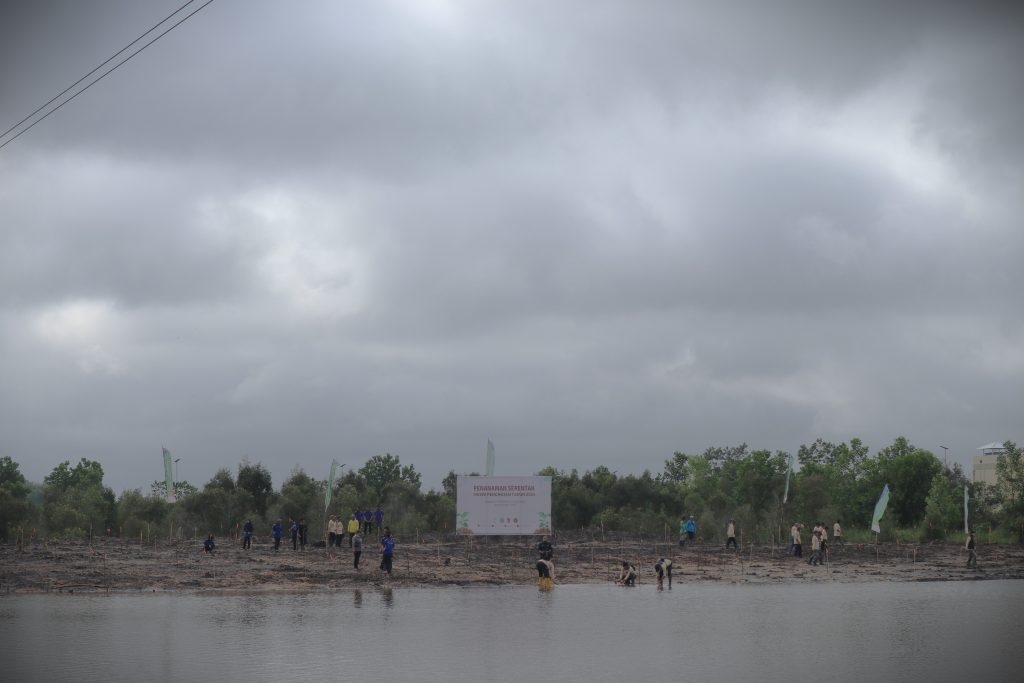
490, 506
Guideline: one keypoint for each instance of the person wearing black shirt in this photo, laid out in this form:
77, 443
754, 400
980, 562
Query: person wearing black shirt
247, 535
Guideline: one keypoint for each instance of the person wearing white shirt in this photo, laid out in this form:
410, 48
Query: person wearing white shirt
730, 534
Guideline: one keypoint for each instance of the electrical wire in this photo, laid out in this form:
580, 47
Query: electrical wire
105, 74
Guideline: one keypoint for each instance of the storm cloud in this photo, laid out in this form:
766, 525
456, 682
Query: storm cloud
594, 232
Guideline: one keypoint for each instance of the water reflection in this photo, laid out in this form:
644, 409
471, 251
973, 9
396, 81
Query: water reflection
713, 632
253, 611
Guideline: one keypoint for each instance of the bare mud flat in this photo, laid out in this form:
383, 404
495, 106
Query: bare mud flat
128, 566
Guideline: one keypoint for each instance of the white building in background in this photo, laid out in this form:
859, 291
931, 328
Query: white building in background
985, 464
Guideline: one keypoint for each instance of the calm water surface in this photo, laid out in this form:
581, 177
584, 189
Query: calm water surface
965, 631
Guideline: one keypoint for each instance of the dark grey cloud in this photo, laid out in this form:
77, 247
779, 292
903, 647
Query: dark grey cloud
596, 235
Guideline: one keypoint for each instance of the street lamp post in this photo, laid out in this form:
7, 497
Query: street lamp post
944, 452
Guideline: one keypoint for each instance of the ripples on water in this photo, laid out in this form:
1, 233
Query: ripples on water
971, 631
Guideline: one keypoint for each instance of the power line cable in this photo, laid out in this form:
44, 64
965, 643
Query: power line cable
105, 74
108, 60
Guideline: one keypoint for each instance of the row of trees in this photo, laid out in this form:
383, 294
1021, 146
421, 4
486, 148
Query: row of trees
831, 481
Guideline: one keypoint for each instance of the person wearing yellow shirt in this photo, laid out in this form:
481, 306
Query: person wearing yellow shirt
353, 527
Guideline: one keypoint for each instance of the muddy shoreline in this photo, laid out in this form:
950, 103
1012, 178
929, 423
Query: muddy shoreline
113, 565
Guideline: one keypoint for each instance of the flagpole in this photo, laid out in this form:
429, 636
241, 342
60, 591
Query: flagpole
328, 494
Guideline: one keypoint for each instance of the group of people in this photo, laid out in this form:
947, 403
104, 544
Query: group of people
297, 528
336, 531
366, 519
819, 541
688, 533
298, 532
627, 575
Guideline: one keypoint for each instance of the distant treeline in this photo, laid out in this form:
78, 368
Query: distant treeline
828, 482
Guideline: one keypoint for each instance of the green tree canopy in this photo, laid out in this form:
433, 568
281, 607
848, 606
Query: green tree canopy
381, 470
256, 481
14, 490
75, 500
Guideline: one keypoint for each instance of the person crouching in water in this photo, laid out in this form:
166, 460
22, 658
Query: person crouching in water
627, 575
545, 574
663, 568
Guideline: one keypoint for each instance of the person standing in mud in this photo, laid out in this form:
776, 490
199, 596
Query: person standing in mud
823, 546
378, 517
353, 528
798, 548
368, 522
814, 559
247, 535
358, 515
730, 533
544, 549
837, 533
357, 549
293, 528
276, 532
302, 534
690, 529
387, 551
971, 547
332, 531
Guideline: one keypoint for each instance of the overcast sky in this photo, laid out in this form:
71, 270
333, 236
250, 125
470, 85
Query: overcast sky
593, 232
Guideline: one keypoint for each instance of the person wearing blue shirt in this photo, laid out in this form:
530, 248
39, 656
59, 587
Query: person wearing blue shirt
208, 545
690, 528
277, 534
368, 521
387, 549
378, 517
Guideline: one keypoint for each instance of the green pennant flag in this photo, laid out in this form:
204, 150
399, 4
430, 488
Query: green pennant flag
789, 471
883, 500
330, 484
168, 477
